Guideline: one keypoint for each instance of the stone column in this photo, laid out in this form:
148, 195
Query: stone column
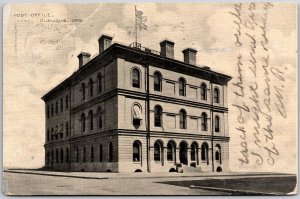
177, 155
164, 160
188, 156
151, 157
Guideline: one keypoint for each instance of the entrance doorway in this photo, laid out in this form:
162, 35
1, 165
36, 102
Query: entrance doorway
183, 153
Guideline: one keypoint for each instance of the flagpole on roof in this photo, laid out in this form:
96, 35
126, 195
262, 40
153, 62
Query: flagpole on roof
135, 25
140, 21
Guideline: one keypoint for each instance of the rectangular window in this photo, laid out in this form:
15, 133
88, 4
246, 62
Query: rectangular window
67, 129
61, 131
83, 91
52, 110
100, 153
92, 154
67, 155
52, 134
84, 154
48, 111
56, 108
56, 132
67, 102
61, 105
56, 156
99, 83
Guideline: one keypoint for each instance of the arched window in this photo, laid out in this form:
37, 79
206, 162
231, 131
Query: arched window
91, 87
203, 91
218, 156
100, 153
92, 154
84, 154
52, 157
136, 155
158, 116
170, 151
157, 151
99, 78
77, 154
135, 78
91, 118
61, 131
61, 155
204, 122
56, 132
82, 122
182, 118
217, 124
182, 84
110, 152
83, 91
67, 129
216, 95
100, 118
56, 107
56, 156
194, 152
157, 81
183, 153
52, 134
67, 102
67, 155
136, 115
61, 105
52, 110
204, 152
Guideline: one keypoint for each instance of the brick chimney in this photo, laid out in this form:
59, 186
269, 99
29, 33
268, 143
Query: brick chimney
167, 49
104, 42
189, 56
83, 58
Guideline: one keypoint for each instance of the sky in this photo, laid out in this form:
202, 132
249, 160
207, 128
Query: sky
33, 64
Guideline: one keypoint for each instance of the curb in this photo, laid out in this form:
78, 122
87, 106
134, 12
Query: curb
235, 192
143, 177
57, 175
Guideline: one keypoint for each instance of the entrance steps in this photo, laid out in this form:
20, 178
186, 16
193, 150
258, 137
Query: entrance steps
189, 169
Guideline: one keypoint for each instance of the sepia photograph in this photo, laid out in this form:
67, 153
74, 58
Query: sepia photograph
150, 99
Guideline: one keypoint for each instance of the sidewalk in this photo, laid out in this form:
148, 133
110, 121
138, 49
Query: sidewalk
98, 175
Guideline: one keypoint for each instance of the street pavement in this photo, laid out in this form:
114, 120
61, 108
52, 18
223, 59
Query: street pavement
34, 182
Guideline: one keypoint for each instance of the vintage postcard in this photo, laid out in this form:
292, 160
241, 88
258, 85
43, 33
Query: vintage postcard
150, 99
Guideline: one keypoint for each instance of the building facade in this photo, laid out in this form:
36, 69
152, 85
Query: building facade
134, 109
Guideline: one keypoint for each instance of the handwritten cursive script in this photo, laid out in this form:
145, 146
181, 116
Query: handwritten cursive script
256, 81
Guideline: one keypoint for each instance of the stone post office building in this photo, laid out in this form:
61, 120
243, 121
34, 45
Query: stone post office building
135, 109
